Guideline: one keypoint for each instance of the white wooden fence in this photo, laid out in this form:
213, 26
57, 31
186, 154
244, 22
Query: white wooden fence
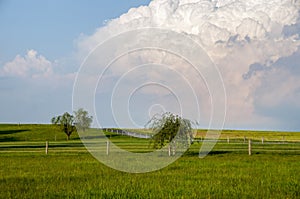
128, 133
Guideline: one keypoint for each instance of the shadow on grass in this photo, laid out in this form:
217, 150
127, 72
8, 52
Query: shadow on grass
211, 153
8, 139
90, 137
7, 132
114, 135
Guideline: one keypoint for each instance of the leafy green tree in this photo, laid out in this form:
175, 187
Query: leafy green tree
82, 119
65, 122
168, 126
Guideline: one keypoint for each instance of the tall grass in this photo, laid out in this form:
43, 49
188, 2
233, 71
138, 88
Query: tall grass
69, 171
79, 175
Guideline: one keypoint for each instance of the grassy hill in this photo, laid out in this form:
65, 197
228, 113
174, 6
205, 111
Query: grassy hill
32, 132
47, 132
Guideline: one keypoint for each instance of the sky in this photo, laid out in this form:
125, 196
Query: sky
54, 58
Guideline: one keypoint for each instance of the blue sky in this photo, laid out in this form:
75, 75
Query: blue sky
44, 43
51, 26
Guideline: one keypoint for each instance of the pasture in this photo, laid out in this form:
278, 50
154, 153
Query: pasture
69, 171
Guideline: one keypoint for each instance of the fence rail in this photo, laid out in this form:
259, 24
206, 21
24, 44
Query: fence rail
262, 140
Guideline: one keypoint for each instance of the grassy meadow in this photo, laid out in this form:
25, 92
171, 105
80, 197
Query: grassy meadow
69, 171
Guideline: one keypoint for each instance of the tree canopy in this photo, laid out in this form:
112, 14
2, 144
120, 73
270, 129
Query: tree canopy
169, 126
82, 119
65, 122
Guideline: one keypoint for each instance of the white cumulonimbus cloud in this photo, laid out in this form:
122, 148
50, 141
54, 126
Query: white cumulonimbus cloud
210, 22
235, 34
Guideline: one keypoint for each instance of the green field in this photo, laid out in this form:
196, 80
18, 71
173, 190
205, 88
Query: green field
69, 171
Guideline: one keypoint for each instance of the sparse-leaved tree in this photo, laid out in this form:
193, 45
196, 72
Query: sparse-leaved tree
169, 126
82, 119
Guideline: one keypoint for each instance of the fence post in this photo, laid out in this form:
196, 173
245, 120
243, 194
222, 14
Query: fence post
249, 147
107, 147
262, 140
174, 148
169, 149
228, 140
46, 151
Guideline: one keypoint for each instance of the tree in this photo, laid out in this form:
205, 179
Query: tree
168, 126
82, 119
65, 122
